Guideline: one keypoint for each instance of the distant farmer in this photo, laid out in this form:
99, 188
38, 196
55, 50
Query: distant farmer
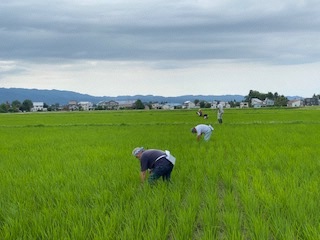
220, 112
160, 164
202, 129
200, 114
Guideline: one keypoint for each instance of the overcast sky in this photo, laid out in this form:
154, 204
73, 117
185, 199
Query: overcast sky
161, 47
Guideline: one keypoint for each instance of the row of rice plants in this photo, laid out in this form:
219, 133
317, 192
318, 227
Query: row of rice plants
273, 163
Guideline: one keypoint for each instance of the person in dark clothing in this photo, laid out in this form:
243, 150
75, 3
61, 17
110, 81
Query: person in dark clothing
200, 114
160, 164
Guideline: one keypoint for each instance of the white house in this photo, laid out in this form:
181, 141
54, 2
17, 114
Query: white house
256, 102
126, 104
156, 106
167, 107
244, 104
214, 104
295, 103
268, 102
171, 106
110, 105
73, 105
86, 106
188, 105
37, 106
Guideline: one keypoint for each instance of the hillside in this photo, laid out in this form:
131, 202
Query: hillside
63, 97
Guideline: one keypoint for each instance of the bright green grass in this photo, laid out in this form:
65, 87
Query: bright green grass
72, 176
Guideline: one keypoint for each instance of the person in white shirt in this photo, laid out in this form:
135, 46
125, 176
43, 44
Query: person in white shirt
220, 112
202, 129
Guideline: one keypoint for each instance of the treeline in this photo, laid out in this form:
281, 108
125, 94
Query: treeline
16, 106
27, 105
279, 100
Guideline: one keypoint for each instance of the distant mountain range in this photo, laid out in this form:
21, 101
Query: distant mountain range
63, 97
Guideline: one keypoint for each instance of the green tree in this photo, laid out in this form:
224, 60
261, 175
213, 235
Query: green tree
4, 108
281, 101
233, 103
270, 95
252, 94
138, 104
207, 105
26, 105
15, 105
55, 107
202, 104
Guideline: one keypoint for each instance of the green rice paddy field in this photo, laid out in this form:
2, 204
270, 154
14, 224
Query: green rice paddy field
71, 175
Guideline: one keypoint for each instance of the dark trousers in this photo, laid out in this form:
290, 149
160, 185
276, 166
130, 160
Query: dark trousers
163, 170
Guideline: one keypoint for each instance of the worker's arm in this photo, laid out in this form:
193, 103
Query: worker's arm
198, 137
143, 176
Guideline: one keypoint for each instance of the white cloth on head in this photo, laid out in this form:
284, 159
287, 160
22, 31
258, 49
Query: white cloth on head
137, 150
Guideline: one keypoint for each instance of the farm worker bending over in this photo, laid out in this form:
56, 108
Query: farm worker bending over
200, 129
160, 163
200, 114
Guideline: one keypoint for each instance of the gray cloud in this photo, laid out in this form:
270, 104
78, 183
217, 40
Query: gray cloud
282, 33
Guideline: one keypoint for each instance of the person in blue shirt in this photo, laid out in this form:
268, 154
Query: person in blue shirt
154, 160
